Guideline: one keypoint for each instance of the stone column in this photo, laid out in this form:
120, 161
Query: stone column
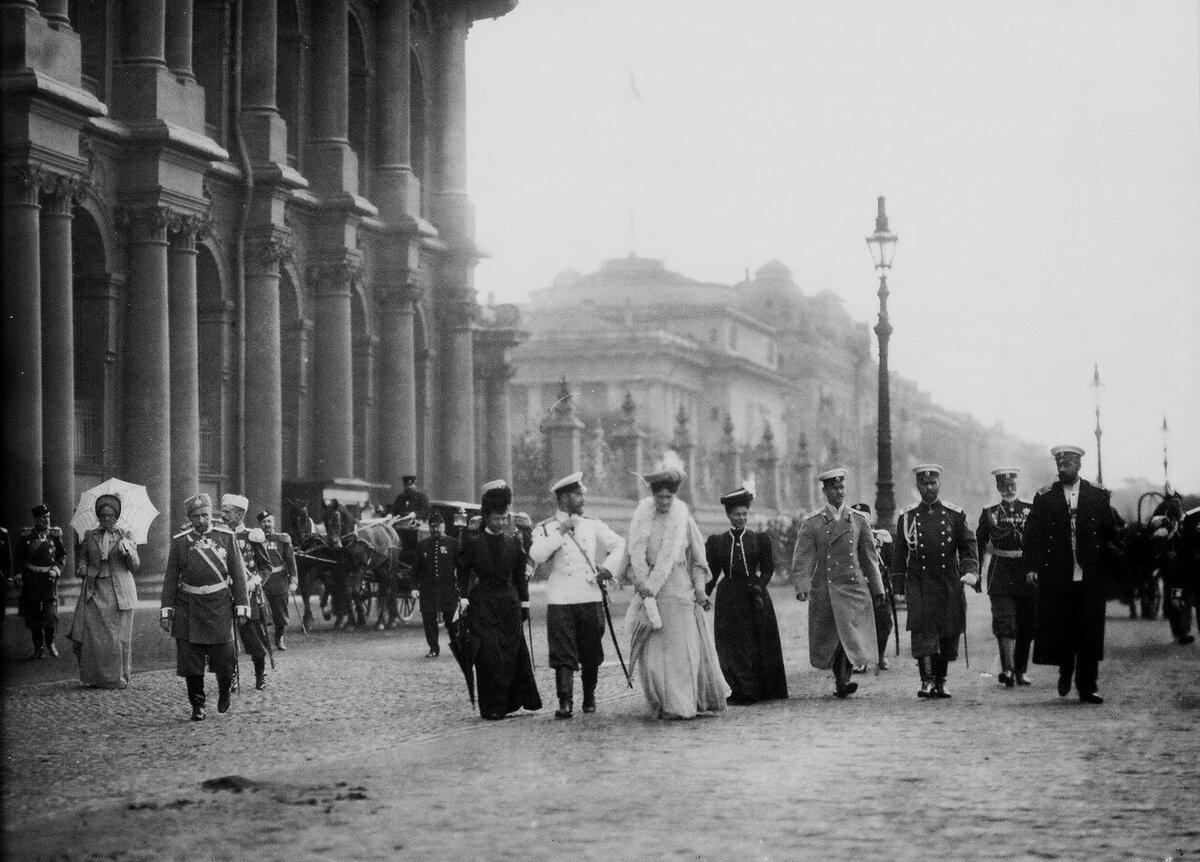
58, 350
147, 405
564, 433
767, 473
21, 350
628, 443
333, 395
396, 189
55, 13
143, 32
451, 208
398, 392
264, 394
178, 36
729, 457
499, 425
185, 366
682, 443
454, 437
333, 167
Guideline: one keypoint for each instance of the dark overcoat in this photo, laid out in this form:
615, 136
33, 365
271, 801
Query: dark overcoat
491, 575
201, 561
436, 559
1048, 553
744, 624
934, 548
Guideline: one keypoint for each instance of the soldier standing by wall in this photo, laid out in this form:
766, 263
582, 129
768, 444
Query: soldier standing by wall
283, 579
935, 554
40, 558
1014, 600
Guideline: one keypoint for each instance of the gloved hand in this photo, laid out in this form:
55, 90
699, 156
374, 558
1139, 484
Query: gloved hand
164, 621
253, 583
524, 615
602, 575
802, 597
463, 604
242, 612
969, 579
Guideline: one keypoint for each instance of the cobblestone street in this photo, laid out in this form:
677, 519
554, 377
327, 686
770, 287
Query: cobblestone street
360, 748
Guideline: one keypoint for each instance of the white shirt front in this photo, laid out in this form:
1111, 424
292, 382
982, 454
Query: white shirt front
1071, 493
572, 578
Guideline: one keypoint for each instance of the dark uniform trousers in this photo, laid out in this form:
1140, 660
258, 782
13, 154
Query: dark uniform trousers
430, 621
1073, 621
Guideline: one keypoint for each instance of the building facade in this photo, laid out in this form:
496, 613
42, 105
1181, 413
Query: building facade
756, 379
239, 252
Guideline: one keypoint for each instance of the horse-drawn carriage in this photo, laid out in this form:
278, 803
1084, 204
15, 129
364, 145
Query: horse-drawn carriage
356, 564
1142, 588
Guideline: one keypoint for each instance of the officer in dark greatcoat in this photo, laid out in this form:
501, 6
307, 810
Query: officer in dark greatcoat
1000, 535
1070, 550
283, 577
40, 557
252, 545
204, 589
437, 582
934, 556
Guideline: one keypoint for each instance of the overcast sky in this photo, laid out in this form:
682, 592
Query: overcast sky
1041, 163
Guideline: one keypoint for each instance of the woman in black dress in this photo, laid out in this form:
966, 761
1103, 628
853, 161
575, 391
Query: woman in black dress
495, 599
744, 624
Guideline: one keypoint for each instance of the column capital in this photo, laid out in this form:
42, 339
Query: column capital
406, 295
61, 191
335, 276
268, 247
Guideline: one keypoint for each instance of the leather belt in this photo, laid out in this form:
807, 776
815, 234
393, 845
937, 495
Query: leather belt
276, 569
31, 567
1008, 555
205, 590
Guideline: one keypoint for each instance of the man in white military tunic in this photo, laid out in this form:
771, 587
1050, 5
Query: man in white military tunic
835, 570
581, 553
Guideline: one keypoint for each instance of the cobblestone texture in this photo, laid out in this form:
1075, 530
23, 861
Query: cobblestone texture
362, 749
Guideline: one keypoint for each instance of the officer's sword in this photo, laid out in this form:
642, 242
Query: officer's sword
607, 613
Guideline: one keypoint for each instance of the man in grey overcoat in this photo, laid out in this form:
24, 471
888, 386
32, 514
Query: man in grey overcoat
834, 569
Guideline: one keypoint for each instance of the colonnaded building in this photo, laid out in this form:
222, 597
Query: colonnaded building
238, 251
751, 379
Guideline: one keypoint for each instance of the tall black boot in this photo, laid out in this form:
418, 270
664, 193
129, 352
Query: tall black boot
260, 673
224, 684
279, 627
925, 666
50, 647
564, 682
39, 651
1008, 647
195, 691
940, 668
842, 669
590, 675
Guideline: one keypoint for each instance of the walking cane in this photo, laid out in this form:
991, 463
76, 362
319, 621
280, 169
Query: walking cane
237, 658
296, 605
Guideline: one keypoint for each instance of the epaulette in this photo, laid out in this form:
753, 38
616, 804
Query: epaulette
223, 528
912, 507
952, 507
815, 514
1026, 502
1192, 511
181, 535
56, 531
545, 522
1044, 490
861, 514
283, 538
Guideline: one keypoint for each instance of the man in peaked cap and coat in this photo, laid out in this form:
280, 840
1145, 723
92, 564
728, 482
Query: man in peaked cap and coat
935, 555
836, 570
40, 557
252, 544
580, 553
1070, 549
1000, 535
204, 591
283, 575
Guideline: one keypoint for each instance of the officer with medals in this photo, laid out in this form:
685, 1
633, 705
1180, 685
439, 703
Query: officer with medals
40, 557
935, 555
437, 583
203, 591
1013, 598
581, 554
283, 577
252, 546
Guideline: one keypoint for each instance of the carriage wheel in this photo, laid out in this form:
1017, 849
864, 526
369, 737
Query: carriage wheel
408, 607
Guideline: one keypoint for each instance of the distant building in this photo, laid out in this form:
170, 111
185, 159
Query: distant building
757, 378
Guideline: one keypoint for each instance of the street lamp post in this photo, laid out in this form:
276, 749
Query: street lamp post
1166, 434
1096, 384
882, 244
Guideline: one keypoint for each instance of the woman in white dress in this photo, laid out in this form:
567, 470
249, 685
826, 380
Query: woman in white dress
671, 650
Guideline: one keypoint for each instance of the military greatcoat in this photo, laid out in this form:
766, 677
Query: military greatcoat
205, 580
934, 548
835, 564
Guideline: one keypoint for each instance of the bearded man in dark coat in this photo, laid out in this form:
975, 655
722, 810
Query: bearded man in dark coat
1070, 549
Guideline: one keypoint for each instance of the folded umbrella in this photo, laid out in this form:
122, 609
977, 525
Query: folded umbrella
464, 648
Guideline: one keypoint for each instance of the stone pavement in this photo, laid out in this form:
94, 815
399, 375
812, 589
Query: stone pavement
362, 749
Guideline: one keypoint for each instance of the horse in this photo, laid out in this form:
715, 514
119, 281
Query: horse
374, 553
321, 565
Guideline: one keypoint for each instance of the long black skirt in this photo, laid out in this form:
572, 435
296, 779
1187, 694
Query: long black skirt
747, 636
503, 671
